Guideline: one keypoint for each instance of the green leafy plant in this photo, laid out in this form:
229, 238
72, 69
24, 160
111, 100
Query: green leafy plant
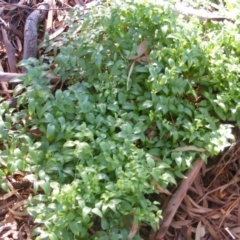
115, 133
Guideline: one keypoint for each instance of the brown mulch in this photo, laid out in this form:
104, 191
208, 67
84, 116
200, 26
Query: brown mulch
211, 207
15, 222
208, 202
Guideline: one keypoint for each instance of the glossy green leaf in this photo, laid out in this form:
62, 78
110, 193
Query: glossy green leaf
50, 131
97, 212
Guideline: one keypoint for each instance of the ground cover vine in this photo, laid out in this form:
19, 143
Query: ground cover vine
116, 133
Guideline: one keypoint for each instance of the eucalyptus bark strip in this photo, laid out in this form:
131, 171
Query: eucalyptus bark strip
176, 200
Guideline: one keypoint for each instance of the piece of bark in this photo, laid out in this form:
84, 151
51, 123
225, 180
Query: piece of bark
7, 77
10, 51
176, 199
49, 22
30, 31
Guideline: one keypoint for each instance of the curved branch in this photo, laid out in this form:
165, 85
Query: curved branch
30, 31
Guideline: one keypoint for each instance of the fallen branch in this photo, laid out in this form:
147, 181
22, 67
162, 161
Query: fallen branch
176, 200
